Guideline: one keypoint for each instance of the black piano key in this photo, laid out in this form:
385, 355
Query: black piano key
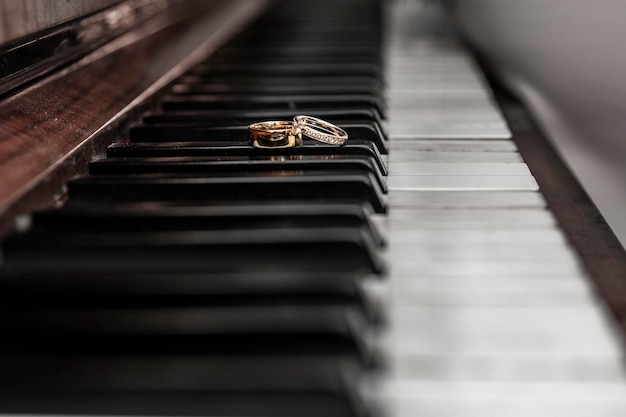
251, 329
233, 127
273, 56
337, 249
183, 385
270, 102
247, 309
231, 150
335, 115
20, 287
245, 47
289, 38
291, 69
237, 86
295, 70
207, 286
188, 289
108, 218
356, 188
194, 373
138, 218
185, 289
284, 83
180, 403
189, 132
312, 55
313, 41
195, 167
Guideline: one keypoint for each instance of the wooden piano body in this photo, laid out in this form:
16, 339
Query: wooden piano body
444, 262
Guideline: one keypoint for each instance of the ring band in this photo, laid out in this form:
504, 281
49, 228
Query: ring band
274, 135
321, 130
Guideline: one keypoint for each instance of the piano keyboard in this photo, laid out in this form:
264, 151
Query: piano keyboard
414, 271
491, 310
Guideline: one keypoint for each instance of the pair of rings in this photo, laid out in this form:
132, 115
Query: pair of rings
284, 134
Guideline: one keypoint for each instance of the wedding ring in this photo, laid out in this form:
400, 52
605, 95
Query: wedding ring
321, 130
274, 135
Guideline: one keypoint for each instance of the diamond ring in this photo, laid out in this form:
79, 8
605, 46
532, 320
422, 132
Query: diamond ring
320, 130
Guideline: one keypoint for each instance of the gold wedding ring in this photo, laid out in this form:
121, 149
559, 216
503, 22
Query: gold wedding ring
321, 130
283, 134
274, 135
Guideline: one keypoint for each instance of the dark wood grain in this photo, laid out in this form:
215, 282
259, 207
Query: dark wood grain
21, 18
601, 252
50, 131
42, 51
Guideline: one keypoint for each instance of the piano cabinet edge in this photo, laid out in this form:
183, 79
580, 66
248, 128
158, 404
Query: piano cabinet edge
51, 128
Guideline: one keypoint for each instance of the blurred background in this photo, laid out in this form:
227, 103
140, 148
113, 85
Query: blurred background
567, 61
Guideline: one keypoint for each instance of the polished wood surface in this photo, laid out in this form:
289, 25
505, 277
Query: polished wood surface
587, 231
56, 44
24, 17
50, 130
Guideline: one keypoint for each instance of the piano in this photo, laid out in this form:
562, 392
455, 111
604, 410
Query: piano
445, 261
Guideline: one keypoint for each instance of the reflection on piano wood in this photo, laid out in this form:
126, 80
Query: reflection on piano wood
417, 270
50, 130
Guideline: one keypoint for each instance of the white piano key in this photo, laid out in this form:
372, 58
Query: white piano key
570, 292
412, 93
496, 330
432, 65
396, 235
411, 55
460, 129
424, 72
442, 102
503, 399
412, 295
469, 96
462, 182
404, 241
415, 47
482, 127
451, 85
418, 118
479, 335
404, 266
453, 145
465, 199
455, 63
449, 122
436, 107
404, 223
422, 48
508, 368
489, 275
545, 234
484, 291
454, 157
417, 281
421, 112
438, 50
423, 51
434, 80
452, 252
403, 86
470, 168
